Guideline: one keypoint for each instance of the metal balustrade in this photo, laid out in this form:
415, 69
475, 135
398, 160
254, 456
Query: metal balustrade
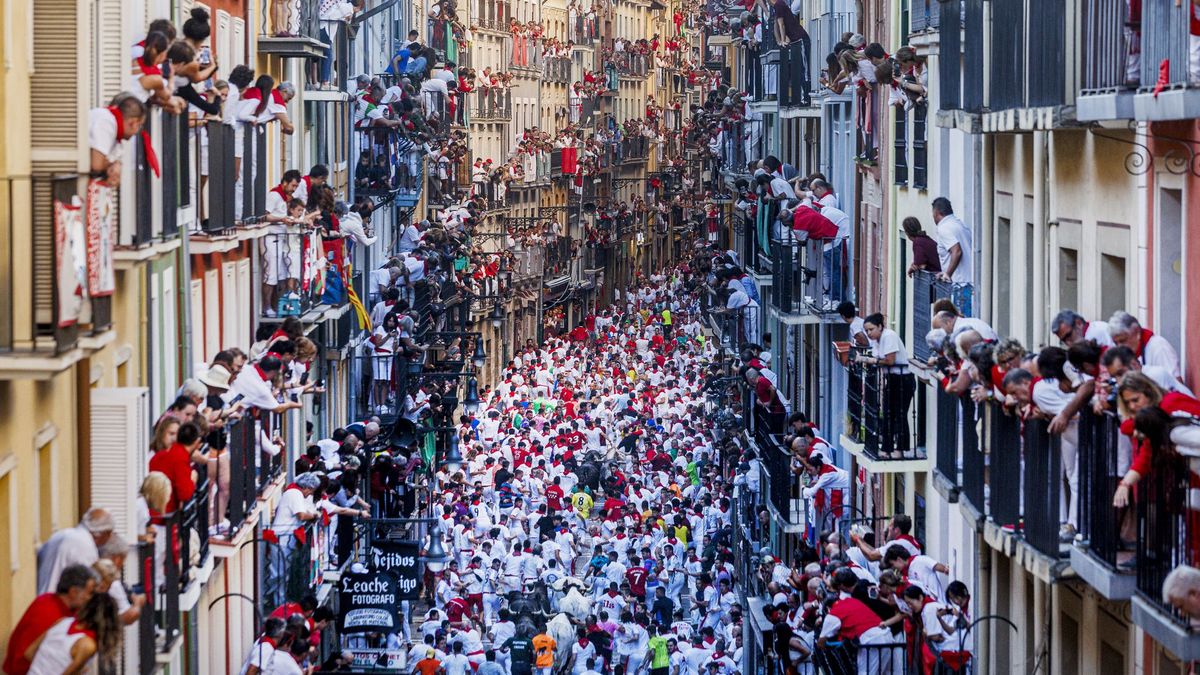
1100, 523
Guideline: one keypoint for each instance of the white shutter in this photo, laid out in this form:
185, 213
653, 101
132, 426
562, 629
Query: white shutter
223, 46
238, 41
229, 308
212, 310
169, 365
198, 320
120, 428
243, 299
111, 57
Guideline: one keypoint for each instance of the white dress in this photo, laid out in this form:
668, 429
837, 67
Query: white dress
54, 654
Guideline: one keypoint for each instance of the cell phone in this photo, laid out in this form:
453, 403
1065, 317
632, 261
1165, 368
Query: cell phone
304, 378
237, 399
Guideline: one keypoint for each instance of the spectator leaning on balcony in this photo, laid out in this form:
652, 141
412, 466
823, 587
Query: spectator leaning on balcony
77, 545
889, 353
294, 510
1070, 328
1120, 360
147, 82
281, 249
955, 249
108, 129
925, 249
1150, 349
1181, 589
1054, 395
75, 588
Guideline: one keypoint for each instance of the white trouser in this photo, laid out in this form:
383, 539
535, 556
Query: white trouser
878, 661
1068, 505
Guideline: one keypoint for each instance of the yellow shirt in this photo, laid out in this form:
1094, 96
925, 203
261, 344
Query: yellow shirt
582, 502
666, 317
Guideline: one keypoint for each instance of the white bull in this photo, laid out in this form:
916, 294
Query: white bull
563, 631
574, 601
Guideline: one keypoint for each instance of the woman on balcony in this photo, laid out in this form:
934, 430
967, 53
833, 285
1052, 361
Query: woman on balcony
889, 354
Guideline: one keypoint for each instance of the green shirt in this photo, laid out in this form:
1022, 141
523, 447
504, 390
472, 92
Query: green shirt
658, 647
520, 650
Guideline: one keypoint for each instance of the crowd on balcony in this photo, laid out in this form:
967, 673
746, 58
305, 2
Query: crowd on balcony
845, 584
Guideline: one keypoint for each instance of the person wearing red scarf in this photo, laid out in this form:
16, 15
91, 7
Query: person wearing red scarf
108, 129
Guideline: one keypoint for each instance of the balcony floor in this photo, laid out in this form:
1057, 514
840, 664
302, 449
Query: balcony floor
919, 464
1111, 584
1104, 104
1171, 104
1164, 630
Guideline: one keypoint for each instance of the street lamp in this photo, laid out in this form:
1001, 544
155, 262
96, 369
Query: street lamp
480, 356
435, 553
453, 459
497, 316
471, 402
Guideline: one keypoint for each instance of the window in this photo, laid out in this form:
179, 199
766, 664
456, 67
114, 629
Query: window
900, 147
47, 492
1003, 276
920, 168
1112, 284
1068, 277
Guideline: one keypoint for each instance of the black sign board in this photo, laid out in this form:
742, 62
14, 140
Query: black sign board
400, 559
369, 602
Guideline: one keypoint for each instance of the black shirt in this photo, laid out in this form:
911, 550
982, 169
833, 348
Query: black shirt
663, 610
791, 25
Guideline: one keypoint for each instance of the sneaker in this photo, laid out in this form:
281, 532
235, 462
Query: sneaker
269, 313
1066, 535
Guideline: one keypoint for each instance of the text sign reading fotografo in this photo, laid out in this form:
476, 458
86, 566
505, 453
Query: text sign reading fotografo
369, 602
400, 559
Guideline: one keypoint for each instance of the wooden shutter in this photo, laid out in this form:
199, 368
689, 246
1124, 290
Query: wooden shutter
54, 106
229, 308
120, 429
223, 43
111, 56
198, 316
212, 313
243, 297
238, 41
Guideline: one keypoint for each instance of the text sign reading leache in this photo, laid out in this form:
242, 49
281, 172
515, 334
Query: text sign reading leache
399, 558
369, 603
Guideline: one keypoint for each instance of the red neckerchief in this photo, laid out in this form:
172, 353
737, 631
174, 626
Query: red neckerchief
252, 94
277, 97
278, 189
911, 540
268, 641
261, 373
140, 62
1145, 339
151, 156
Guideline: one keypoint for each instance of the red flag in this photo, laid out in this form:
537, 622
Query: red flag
269, 536
301, 535
1164, 76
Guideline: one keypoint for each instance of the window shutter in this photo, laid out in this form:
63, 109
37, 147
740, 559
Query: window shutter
229, 310
111, 58
55, 62
238, 41
120, 428
223, 43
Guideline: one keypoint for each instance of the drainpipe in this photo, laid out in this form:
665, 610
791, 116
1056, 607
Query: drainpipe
1041, 200
985, 148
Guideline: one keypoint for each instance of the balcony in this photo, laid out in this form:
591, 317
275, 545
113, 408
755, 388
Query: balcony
290, 30
583, 31
753, 239
635, 149
825, 31
807, 281
632, 65
736, 151
795, 86
557, 70
781, 484
1098, 554
1029, 83
1106, 88
1166, 539
492, 15
223, 210
390, 164
527, 55
732, 328
960, 68
65, 293
881, 419
928, 289
1165, 39
492, 105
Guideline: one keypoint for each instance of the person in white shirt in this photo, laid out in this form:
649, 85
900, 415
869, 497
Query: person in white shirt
956, 250
1069, 327
77, 545
889, 353
108, 129
1151, 349
1053, 395
294, 510
849, 314
263, 652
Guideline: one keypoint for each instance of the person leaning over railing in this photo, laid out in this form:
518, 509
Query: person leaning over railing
889, 353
